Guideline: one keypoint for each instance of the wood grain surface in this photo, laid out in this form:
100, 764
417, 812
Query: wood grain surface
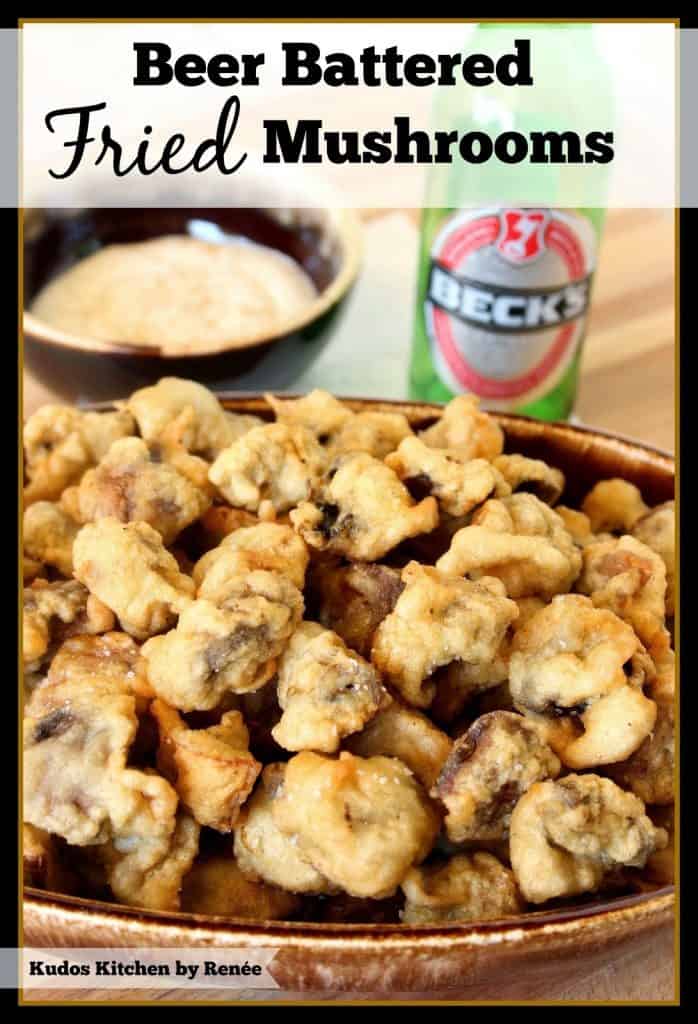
627, 386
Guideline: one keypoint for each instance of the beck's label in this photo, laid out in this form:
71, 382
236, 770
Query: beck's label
506, 301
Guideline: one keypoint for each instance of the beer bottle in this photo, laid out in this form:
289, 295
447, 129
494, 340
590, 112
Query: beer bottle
503, 288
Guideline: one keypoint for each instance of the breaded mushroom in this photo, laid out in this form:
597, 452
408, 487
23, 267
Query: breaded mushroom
134, 483
657, 529
354, 599
326, 691
467, 887
521, 541
270, 469
566, 835
264, 852
182, 412
362, 822
532, 476
488, 769
54, 611
211, 769
274, 547
614, 506
231, 648
465, 428
48, 535
363, 511
437, 620
459, 486
128, 568
216, 886
582, 670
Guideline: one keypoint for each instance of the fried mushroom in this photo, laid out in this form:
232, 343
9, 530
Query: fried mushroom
363, 511
467, 887
270, 469
128, 568
211, 769
402, 732
48, 534
362, 822
54, 611
318, 411
532, 476
466, 429
522, 542
233, 648
657, 529
439, 619
377, 433
614, 506
628, 578
458, 485
61, 442
265, 853
216, 886
149, 873
133, 483
77, 736
566, 835
489, 768
649, 772
326, 691
182, 412
354, 599
583, 668
273, 547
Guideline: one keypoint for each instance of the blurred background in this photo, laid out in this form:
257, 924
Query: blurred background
628, 365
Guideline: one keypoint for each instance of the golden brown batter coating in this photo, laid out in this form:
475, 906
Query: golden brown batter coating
326, 691
363, 511
274, 547
176, 411
628, 578
112, 657
317, 411
532, 476
522, 542
143, 872
233, 648
439, 619
265, 853
466, 429
217, 886
657, 529
133, 483
77, 735
458, 485
211, 769
649, 772
54, 611
270, 469
614, 506
48, 534
377, 433
489, 768
61, 442
578, 526
467, 887
128, 568
354, 599
400, 731
581, 667
221, 520
362, 822
566, 835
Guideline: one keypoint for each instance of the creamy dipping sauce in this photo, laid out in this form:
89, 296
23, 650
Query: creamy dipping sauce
178, 294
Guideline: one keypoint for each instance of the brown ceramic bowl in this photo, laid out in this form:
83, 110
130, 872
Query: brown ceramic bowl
324, 242
524, 957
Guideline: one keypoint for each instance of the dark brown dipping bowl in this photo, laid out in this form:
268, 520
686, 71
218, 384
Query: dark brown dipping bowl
527, 957
324, 242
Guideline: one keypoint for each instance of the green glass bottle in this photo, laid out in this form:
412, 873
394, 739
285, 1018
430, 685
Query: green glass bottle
503, 287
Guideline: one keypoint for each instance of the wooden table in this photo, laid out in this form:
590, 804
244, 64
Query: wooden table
627, 386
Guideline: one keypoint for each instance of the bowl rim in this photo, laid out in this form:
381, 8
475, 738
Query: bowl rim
347, 226
558, 920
